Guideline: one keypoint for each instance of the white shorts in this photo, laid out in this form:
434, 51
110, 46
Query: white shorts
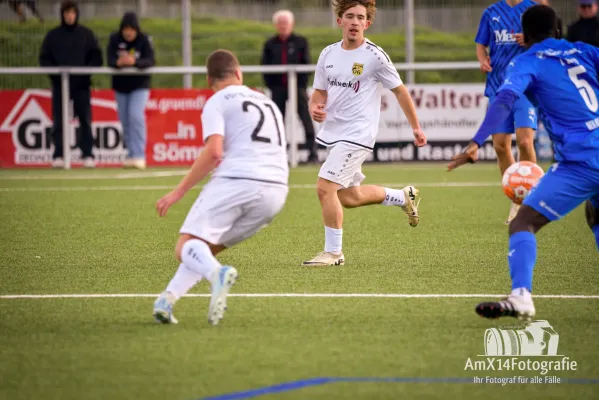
228, 211
344, 165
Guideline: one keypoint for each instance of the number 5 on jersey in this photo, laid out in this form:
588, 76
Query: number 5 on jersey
584, 88
256, 133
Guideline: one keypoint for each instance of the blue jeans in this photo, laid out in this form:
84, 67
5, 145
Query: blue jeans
131, 108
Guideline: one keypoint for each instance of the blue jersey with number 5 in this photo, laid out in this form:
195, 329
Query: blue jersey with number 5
561, 79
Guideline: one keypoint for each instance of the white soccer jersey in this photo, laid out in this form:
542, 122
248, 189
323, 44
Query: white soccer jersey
254, 135
353, 80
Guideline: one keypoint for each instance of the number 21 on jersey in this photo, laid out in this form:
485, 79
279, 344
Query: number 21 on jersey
248, 106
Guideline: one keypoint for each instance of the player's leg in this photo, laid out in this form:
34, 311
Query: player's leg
359, 196
201, 239
525, 122
502, 143
338, 171
592, 216
561, 190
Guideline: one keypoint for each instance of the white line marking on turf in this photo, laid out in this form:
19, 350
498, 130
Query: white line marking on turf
291, 186
295, 295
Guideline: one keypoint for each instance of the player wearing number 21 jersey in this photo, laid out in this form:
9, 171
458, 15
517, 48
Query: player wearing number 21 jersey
350, 76
561, 78
246, 150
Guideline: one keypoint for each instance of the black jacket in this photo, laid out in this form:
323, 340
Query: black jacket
585, 30
141, 48
297, 52
71, 46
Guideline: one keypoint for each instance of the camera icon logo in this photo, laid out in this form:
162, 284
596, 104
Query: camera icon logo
538, 338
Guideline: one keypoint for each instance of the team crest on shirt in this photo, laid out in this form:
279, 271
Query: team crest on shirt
357, 69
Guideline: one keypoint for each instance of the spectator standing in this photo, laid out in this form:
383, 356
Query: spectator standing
586, 29
71, 45
287, 47
18, 6
130, 47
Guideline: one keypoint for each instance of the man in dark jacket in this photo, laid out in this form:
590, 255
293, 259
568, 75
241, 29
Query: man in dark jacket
288, 48
73, 45
586, 29
130, 47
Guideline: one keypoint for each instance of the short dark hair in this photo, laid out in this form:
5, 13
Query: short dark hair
221, 64
539, 23
68, 5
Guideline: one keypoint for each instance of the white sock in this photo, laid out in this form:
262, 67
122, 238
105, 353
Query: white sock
333, 238
394, 197
521, 292
183, 281
196, 256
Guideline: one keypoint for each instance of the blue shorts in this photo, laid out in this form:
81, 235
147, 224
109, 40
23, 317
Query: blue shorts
523, 115
563, 188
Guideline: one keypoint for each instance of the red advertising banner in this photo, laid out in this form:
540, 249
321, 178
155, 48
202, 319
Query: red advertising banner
174, 128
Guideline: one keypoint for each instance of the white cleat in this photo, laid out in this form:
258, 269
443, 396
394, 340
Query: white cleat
513, 212
89, 162
163, 309
411, 207
223, 280
518, 306
58, 163
325, 259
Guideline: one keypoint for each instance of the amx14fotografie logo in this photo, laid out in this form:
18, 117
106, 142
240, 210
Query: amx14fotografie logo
528, 349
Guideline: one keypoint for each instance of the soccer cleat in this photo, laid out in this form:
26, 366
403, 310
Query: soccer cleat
520, 307
58, 163
224, 279
324, 259
411, 207
88, 162
513, 212
163, 309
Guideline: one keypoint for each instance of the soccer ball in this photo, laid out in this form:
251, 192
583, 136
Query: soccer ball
519, 179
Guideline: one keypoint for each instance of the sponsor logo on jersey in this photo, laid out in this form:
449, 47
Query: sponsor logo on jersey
355, 86
357, 69
504, 37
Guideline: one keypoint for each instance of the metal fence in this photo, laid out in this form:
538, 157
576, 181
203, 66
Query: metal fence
292, 70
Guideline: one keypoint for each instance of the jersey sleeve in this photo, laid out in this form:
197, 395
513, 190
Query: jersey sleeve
482, 36
213, 119
520, 75
320, 78
388, 75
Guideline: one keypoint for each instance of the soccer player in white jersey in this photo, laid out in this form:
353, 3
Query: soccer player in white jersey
349, 78
245, 148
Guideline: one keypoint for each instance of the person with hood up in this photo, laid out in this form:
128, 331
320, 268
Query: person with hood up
71, 45
130, 47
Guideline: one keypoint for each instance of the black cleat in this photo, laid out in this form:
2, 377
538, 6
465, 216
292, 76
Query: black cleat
496, 309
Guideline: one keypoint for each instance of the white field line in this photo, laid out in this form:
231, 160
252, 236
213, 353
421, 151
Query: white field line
292, 186
181, 172
294, 295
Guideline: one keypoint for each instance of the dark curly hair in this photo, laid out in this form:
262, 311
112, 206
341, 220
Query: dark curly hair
341, 6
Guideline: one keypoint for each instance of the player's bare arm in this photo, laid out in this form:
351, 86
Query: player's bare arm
483, 58
402, 94
318, 102
208, 159
468, 156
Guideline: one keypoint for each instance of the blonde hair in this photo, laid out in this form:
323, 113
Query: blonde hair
283, 13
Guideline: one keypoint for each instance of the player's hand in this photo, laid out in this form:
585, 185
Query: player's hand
419, 137
520, 39
485, 66
317, 112
167, 201
469, 156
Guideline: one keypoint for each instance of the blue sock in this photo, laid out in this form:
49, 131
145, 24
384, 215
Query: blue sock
522, 258
596, 233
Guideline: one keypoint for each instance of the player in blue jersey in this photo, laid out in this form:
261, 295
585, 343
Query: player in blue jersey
499, 31
561, 78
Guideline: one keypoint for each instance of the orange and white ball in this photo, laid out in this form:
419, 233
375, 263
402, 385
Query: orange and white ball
520, 178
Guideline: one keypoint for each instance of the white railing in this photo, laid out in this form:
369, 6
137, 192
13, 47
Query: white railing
292, 71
